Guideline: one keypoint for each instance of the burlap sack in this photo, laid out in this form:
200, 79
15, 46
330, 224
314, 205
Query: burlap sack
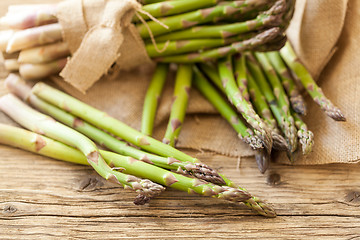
98, 34
318, 29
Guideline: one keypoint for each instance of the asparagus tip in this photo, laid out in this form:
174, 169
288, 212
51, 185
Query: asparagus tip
279, 142
298, 104
262, 160
336, 114
204, 172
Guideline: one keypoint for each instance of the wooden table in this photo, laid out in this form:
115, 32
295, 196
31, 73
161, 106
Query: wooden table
48, 199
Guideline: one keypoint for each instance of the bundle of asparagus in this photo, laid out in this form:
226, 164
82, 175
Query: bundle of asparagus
156, 162
264, 89
189, 31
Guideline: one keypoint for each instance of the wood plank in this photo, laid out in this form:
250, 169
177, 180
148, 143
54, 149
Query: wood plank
41, 198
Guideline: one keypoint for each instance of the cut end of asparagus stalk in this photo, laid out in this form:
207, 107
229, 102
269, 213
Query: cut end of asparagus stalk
17, 85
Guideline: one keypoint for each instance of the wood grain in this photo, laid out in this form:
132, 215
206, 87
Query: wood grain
41, 198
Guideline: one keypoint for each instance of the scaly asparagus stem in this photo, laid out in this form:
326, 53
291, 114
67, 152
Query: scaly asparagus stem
104, 121
17, 86
310, 85
306, 137
284, 123
152, 98
36, 71
32, 37
246, 109
263, 109
226, 111
45, 125
296, 99
197, 17
240, 75
237, 47
45, 146
41, 16
279, 93
44, 54
270, 18
180, 100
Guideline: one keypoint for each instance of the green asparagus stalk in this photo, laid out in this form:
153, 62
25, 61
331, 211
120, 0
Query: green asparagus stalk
306, 137
226, 111
237, 47
296, 99
29, 19
152, 98
36, 71
104, 121
310, 85
45, 146
18, 87
270, 18
44, 54
45, 125
240, 75
168, 8
227, 78
34, 37
180, 100
183, 46
284, 123
201, 16
263, 109
279, 94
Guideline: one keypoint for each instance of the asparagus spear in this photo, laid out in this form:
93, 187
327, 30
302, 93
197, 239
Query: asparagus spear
45, 125
168, 8
233, 48
310, 85
5, 36
34, 37
285, 124
11, 65
44, 54
296, 99
279, 93
104, 121
227, 78
263, 109
180, 100
262, 160
35, 71
211, 94
201, 16
270, 18
45, 146
29, 19
240, 75
17, 86
152, 98
306, 137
